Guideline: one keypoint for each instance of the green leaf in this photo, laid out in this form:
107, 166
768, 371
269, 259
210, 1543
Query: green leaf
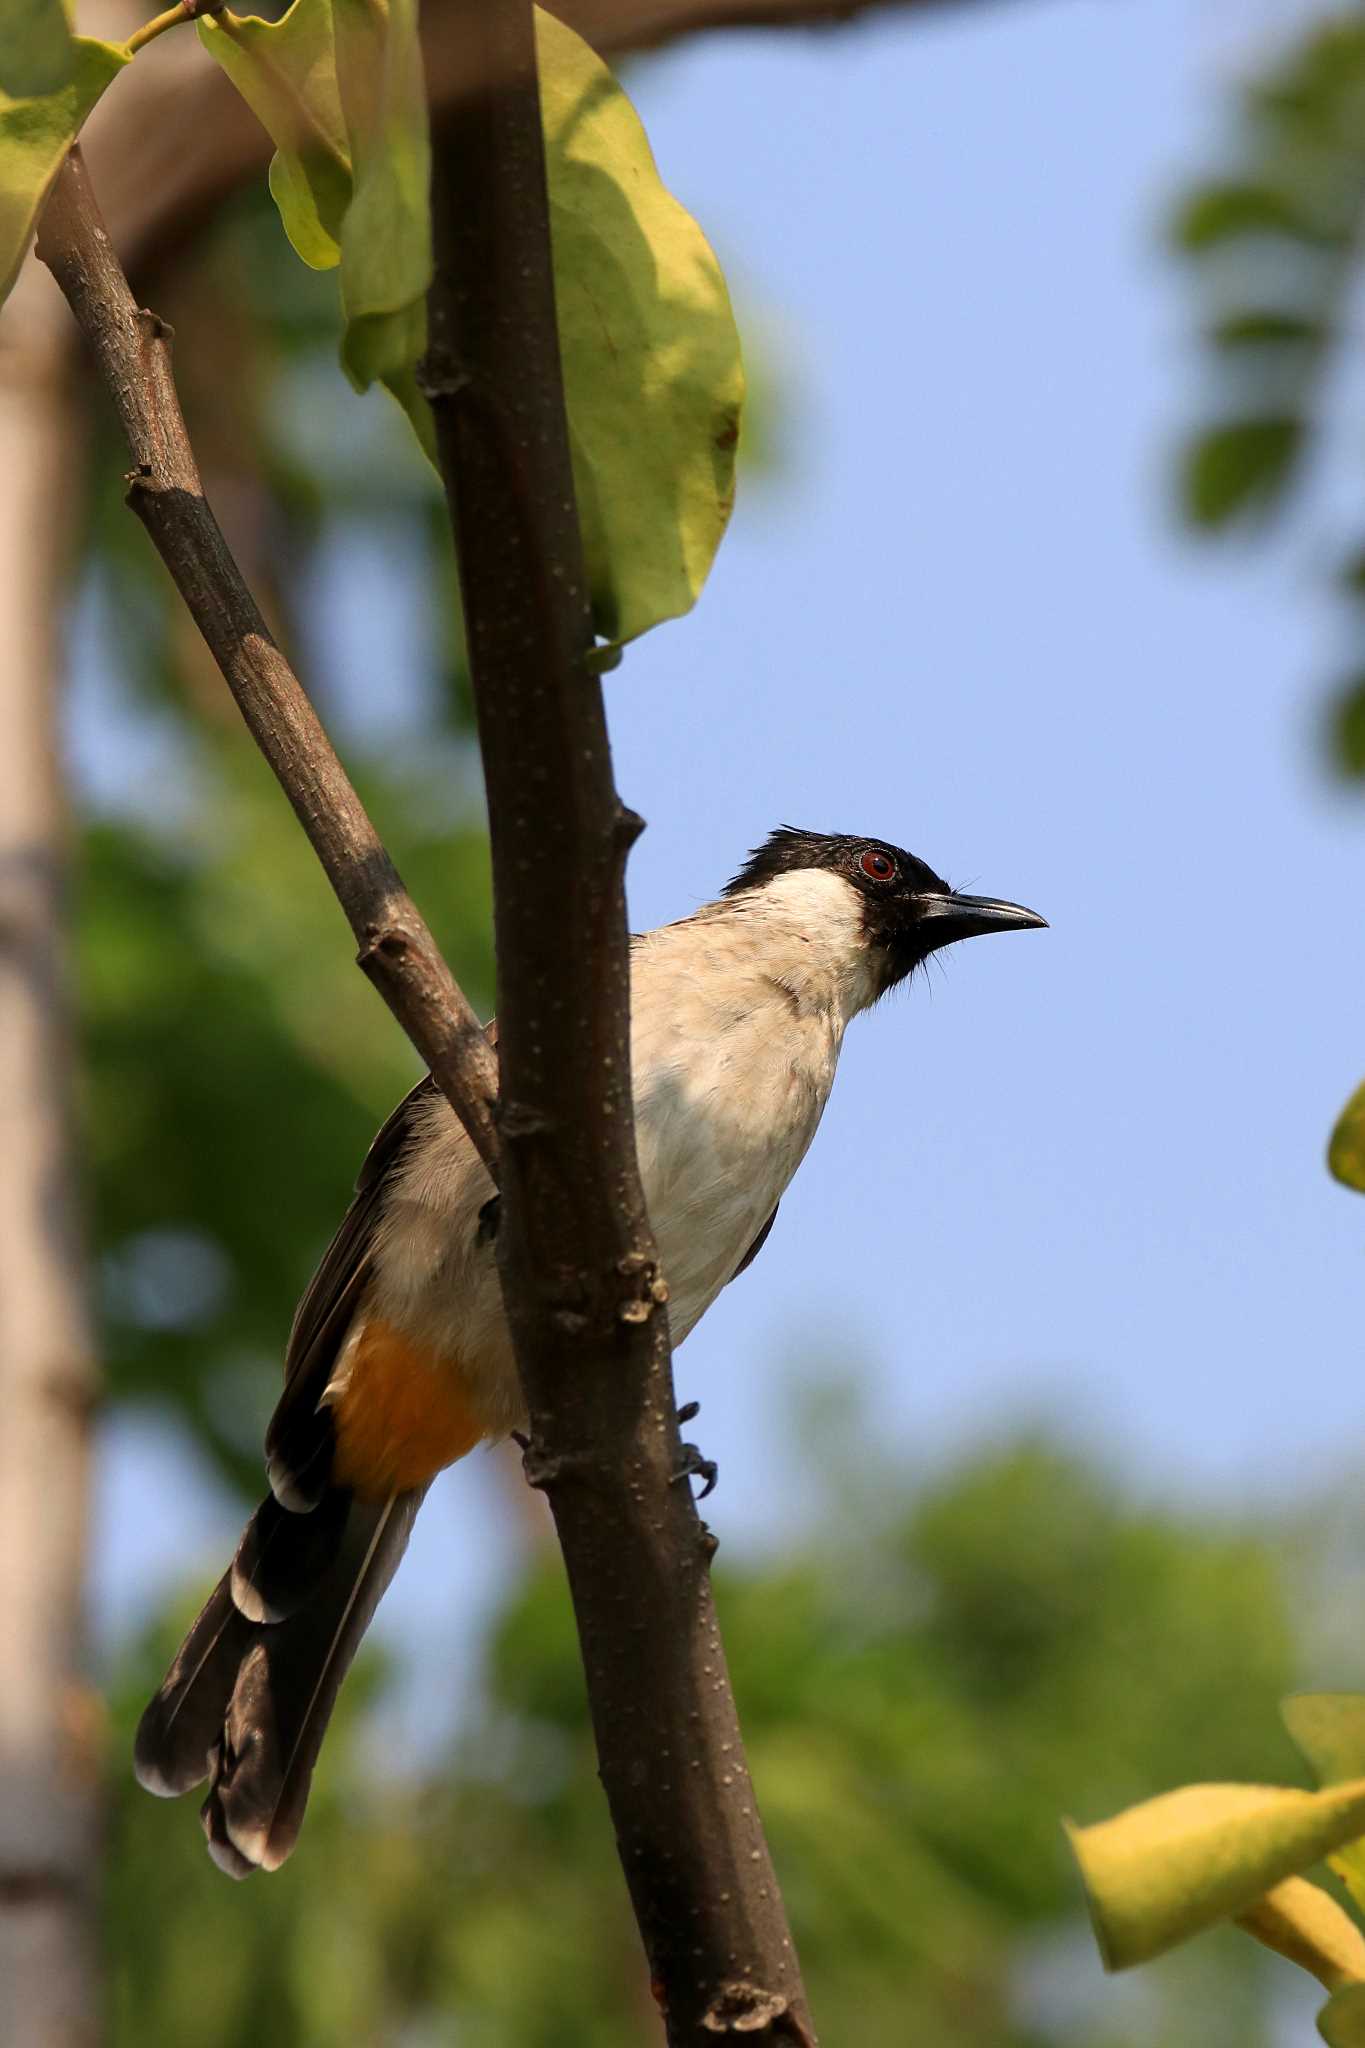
1346, 727
338, 86
1249, 330
1328, 1729
386, 236
35, 135
1239, 467
1168, 1868
1346, 1149
36, 54
652, 369
1299, 1920
286, 72
1219, 213
653, 379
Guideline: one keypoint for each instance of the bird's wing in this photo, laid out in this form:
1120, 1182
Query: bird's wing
298, 1444
756, 1247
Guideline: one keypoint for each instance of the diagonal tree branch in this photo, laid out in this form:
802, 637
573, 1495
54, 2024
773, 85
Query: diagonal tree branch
132, 350
578, 1261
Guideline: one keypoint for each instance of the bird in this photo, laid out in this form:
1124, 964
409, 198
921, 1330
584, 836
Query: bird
399, 1360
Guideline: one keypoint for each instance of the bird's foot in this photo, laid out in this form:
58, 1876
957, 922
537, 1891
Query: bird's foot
694, 1466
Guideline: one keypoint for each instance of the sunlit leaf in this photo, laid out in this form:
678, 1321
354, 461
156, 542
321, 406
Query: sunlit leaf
1238, 467
1165, 1869
651, 355
1298, 1920
36, 56
1346, 1150
285, 70
1328, 1729
338, 86
386, 235
652, 370
35, 135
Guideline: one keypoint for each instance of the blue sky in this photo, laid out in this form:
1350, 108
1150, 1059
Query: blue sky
1079, 1174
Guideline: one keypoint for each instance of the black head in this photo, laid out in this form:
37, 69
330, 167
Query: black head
909, 911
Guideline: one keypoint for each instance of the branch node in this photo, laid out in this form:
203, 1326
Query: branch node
520, 1120
634, 1311
627, 827
383, 942
442, 375
740, 2008
544, 1468
153, 327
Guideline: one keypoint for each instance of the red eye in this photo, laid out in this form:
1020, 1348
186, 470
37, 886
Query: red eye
877, 864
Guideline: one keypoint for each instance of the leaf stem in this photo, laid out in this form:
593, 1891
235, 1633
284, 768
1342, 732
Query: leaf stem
184, 10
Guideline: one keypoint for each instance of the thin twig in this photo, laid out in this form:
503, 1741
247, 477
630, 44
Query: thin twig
580, 1280
174, 17
398, 953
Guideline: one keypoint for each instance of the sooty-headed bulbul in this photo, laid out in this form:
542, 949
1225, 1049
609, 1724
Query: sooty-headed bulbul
399, 1360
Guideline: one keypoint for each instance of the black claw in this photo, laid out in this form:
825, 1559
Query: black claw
694, 1466
488, 1220
689, 1411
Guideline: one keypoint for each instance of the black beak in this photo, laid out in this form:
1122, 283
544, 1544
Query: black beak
942, 919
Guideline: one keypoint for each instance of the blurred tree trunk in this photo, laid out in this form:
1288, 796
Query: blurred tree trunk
48, 1740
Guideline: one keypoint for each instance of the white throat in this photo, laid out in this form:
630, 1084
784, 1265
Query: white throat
806, 929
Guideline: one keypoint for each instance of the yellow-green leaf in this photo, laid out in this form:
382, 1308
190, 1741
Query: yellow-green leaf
337, 85
35, 135
36, 57
1329, 1730
386, 235
1300, 1921
1173, 1865
652, 369
1342, 2020
286, 72
1346, 1152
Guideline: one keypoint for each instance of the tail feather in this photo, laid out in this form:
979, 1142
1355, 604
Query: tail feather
179, 1731
247, 1700
287, 1685
283, 1555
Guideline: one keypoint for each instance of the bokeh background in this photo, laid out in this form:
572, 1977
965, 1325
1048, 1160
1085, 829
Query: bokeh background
1038, 1420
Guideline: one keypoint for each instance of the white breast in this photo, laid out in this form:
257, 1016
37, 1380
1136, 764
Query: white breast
738, 1015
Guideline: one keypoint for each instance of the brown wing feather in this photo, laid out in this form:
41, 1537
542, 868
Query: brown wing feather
299, 1442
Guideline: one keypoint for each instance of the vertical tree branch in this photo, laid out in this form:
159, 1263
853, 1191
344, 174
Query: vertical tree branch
49, 1735
580, 1277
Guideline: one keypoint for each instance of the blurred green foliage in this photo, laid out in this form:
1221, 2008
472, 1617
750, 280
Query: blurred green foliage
1274, 245
925, 1687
